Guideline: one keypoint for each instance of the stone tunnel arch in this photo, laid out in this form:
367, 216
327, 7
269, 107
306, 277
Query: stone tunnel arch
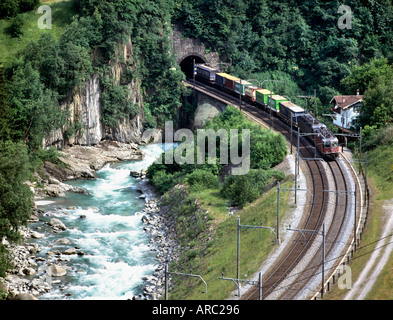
187, 49
187, 64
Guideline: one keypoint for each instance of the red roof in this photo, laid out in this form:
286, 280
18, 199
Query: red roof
343, 102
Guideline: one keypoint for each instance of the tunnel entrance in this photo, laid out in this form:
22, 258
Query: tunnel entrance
187, 63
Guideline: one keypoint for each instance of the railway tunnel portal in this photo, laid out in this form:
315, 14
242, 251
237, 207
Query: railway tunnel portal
187, 50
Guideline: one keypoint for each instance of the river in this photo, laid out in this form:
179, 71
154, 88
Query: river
102, 225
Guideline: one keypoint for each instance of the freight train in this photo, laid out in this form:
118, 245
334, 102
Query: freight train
279, 106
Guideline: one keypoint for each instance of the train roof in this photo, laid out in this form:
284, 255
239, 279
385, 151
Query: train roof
309, 119
291, 106
243, 82
319, 127
326, 133
206, 67
265, 91
228, 76
278, 97
253, 88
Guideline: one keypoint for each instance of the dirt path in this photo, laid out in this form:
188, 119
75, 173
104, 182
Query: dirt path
377, 260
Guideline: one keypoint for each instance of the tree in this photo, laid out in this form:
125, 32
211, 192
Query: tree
15, 197
45, 57
35, 109
10, 8
377, 108
362, 76
4, 107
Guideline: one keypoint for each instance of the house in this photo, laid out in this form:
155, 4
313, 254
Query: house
346, 110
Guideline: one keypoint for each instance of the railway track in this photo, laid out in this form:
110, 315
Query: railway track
284, 280
338, 202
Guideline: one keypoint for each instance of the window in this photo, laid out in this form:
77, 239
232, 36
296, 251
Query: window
326, 144
335, 144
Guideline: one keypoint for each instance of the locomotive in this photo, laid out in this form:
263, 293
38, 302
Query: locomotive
322, 138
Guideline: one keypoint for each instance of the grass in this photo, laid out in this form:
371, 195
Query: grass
255, 245
62, 13
380, 179
211, 201
381, 173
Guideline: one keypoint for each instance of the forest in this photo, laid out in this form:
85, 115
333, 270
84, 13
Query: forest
260, 39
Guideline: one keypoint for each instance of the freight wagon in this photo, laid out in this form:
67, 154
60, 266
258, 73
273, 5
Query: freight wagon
206, 72
262, 96
251, 91
230, 82
290, 110
241, 85
274, 102
220, 79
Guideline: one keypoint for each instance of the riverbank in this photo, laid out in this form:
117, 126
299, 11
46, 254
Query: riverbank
35, 274
80, 162
161, 228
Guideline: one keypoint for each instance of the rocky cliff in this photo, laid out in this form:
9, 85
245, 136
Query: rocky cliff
84, 125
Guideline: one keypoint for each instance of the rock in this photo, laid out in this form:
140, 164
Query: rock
53, 180
33, 248
64, 259
53, 190
4, 287
29, 271
24, 296
151, 136
62, 241
55, 270
33, 219
69, 251
134, 174
57, 224
37, 235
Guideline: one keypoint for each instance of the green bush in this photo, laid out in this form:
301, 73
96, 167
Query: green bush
15, 28
201, 179
163, 181
243, 189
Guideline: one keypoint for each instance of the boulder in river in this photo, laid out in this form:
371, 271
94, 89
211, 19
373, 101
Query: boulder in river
37, 235
57, 224
63, 241
69, 251
55, 270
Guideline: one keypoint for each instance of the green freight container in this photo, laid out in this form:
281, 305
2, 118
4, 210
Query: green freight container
274, 102
240, 86
262, 96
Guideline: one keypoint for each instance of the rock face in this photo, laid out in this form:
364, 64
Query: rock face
85, 109
89, 109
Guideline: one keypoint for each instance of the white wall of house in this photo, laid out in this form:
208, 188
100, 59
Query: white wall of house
346, 118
